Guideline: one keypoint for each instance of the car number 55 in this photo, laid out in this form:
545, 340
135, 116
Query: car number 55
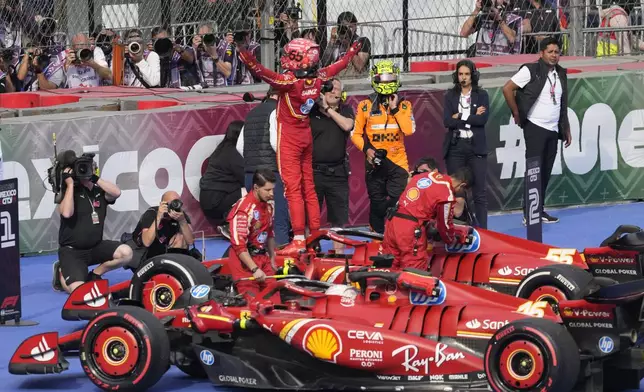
560, 255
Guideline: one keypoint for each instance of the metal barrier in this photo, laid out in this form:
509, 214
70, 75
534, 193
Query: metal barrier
425, 45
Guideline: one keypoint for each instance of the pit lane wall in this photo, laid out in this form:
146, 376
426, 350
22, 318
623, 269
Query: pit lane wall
149, 152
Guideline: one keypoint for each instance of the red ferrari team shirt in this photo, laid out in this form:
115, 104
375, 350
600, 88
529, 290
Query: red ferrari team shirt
251, 224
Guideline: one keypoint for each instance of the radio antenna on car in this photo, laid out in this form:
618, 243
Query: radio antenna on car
346, 269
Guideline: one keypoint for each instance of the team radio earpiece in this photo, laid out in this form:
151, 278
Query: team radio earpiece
469, 64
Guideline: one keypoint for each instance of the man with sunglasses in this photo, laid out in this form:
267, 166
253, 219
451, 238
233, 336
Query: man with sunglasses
429, 197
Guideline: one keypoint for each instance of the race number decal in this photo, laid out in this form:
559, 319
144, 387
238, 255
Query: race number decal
533, 309
533, 207
560, 255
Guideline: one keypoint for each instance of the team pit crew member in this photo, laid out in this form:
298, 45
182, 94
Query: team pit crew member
299, 87
429, 197
385, 119
251, 235
80, 237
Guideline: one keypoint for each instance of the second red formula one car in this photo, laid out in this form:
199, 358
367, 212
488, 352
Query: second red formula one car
402, 330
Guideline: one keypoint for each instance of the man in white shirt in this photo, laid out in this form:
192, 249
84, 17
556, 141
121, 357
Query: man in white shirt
540, 107
88, 73
142, 69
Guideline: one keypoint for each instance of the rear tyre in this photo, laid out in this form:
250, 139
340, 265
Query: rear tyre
172, 274
126, 348
532, 355
554, 283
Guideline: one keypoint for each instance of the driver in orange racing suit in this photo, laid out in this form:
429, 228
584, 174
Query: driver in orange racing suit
299, 88
251, 236
429, 196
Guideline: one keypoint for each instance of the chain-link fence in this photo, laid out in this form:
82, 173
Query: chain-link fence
402, 30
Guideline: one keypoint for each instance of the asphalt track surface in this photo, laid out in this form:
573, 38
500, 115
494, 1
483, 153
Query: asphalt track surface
578, 227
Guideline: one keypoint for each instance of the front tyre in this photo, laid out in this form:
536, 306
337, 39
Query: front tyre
126, 348
532, 355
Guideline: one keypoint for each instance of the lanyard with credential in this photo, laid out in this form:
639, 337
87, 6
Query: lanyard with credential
95, 219
552, 88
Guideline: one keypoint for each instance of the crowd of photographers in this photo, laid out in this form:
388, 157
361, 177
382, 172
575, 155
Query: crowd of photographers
205, 59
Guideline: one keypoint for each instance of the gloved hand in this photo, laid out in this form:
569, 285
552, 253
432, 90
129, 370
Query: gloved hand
356, 46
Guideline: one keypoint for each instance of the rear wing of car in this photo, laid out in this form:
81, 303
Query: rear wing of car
618, 293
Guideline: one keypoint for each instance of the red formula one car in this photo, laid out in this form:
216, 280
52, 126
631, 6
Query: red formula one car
402, 330
492, 260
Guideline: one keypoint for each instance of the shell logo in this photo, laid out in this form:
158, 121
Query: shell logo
567, 312
413, 194
323, 342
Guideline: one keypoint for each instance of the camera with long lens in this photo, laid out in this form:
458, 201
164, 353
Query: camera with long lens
209, 39
83, 55
241, 30
164, 47
327, 87
134, 48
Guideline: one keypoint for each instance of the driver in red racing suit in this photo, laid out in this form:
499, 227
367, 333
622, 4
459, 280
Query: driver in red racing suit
251, 236
428, 197
299, 88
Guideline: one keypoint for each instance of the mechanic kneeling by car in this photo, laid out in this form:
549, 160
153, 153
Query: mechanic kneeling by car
428, 197
80, 237
163, 229
251, 236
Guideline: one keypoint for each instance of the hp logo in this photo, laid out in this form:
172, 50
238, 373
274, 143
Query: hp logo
207, 358
200, 291
606, 345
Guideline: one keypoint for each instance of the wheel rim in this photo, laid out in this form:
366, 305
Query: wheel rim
549, 294
164, 294
116, 352
522, 365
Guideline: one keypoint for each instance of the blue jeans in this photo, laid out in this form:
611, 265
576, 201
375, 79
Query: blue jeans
282, 222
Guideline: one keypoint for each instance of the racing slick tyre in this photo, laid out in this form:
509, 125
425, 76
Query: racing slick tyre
554, 283
532, 355
125, 348
172, 274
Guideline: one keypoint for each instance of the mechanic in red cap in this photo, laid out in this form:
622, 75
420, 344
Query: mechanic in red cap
429, 197
251, 235
299, 88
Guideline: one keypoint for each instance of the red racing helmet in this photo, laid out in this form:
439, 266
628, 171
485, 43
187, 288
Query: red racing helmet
300, 54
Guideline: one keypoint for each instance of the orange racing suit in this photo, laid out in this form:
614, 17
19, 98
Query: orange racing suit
385, 129
294, 137
427, 197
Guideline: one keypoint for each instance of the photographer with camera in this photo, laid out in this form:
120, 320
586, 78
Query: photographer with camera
214, 59
164, 229
498, 29
40, 69
385, 119
178, 63
331, 124
288, 28
7, 73
242, 37
342, 38
82, 209
142, 67
81, 68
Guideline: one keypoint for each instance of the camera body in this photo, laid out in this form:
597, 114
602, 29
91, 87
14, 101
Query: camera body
294, 13
82, 169
175, 205
209, 39
83, 55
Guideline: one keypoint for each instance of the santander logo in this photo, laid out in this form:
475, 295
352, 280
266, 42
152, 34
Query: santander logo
473, 324
505, 271
42, 352
94, 298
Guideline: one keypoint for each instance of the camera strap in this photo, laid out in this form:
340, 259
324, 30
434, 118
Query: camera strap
137, 73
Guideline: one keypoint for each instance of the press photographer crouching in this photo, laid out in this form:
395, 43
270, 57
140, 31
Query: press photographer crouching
83, 198
163, 229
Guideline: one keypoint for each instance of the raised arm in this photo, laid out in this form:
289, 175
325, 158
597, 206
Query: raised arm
327, 73
281, 82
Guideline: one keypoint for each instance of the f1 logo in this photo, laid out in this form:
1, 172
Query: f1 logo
10, 302
533, 198
8, 237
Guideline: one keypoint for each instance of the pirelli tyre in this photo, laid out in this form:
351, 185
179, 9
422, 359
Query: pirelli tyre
532, 355
554, 283
125, 349
169, 276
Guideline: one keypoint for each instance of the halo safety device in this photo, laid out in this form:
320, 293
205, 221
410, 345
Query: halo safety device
385, 77
469, 64
301, 54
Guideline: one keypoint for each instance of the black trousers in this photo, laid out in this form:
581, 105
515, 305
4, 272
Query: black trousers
462, 155
335, 190
542, 143
384, 186
217, 204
